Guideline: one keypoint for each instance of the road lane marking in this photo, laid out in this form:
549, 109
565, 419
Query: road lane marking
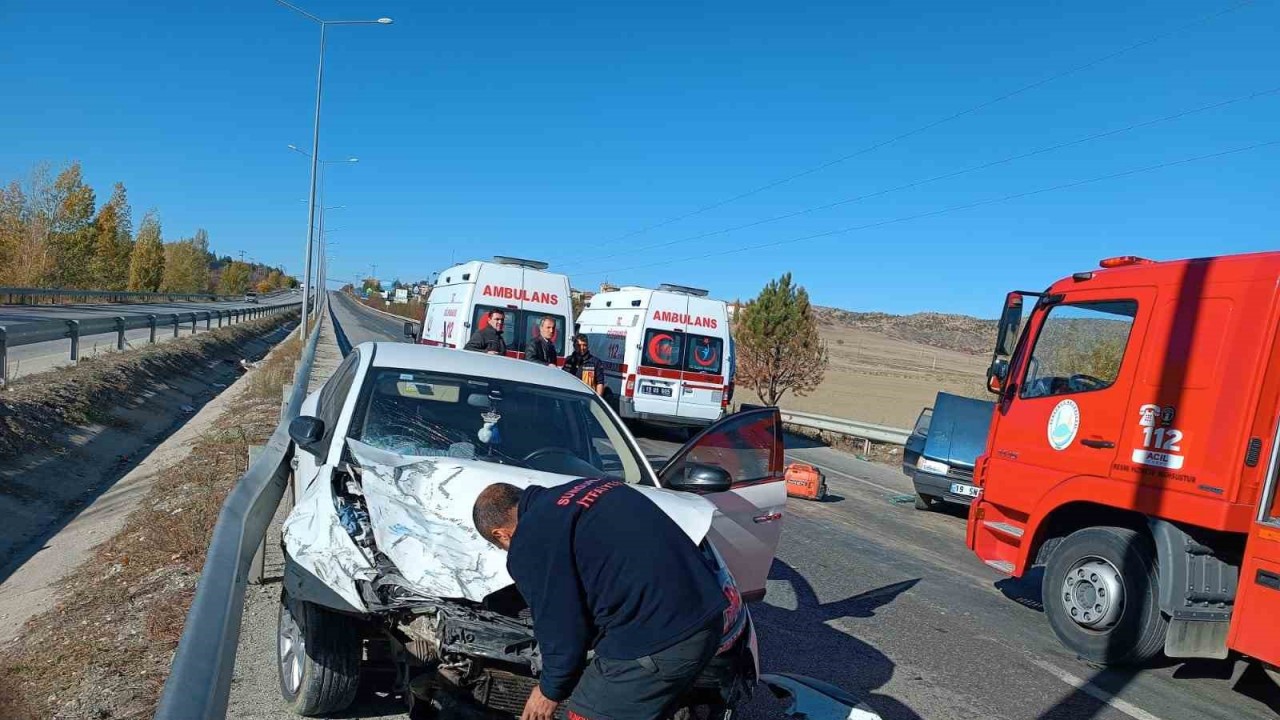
1094, 691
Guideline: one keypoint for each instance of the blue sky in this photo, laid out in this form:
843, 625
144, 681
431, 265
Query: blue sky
549, 130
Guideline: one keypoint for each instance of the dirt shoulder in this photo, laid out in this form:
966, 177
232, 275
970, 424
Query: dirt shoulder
102, 644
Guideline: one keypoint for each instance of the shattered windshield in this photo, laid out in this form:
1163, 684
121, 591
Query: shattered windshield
415, 412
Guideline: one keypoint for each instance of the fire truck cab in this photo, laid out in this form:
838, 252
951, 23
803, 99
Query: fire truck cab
464, 295
1133, 454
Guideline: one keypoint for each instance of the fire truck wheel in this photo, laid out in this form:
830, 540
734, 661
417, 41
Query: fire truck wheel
1100, 592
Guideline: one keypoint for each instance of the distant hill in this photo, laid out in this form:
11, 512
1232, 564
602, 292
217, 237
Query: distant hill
961, 333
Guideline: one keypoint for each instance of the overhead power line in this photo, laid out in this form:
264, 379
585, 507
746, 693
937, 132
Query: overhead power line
943, 211
939, 122
938, 178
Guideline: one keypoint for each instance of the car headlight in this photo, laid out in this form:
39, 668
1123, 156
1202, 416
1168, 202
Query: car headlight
933, 466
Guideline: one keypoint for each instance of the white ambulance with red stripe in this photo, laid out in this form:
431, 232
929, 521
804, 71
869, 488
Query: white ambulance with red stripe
465, 294
668, 353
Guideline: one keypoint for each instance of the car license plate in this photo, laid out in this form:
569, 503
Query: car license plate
965, 490
655, 390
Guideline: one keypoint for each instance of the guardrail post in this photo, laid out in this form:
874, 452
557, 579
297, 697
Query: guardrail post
219, 312
175, 324
151, 323
4, 357
207, 320
119, 333
74, 327
193, 323
256, 566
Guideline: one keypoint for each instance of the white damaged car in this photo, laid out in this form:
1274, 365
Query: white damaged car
383, 568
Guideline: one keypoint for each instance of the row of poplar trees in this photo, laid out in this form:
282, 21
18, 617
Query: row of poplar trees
53, 233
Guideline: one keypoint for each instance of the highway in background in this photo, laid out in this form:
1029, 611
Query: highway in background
362, 324
886, 601
38, 357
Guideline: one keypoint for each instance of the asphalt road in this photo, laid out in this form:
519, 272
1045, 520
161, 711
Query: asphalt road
362, 324
887, 602
38, 357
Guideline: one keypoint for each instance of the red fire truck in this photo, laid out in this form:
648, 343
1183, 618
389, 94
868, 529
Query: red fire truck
1133, 454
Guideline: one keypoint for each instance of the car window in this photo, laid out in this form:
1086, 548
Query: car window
480, 320
1079, 348
922, 422
747, 446
334, 394
415, 412
704, 354
662, 349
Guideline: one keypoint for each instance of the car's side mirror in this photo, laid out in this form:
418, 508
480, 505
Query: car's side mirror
411, 330
700, 478
307, 432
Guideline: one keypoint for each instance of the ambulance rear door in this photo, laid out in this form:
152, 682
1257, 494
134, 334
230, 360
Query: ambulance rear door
659, 388
497, 287
704, 366
542, 294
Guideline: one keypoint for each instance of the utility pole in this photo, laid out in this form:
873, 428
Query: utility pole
241, 256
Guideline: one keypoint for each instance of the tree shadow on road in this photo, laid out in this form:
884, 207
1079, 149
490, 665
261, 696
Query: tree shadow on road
800, 640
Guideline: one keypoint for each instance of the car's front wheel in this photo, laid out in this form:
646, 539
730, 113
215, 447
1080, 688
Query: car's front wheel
318, 657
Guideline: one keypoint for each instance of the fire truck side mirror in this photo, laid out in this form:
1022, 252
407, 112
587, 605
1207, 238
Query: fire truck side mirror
411, 330
996, 375
1010, 320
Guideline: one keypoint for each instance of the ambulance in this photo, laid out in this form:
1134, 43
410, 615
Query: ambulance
668, 353
465, 294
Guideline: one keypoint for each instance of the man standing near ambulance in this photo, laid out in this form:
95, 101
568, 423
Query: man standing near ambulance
542, 349
584, 366
488, 339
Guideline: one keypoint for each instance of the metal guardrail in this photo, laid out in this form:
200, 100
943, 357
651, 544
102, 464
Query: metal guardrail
29, 333
852, 428
199, 683
57, 296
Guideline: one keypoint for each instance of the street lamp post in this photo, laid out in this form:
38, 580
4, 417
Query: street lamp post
320, 197
324, 252
315, 141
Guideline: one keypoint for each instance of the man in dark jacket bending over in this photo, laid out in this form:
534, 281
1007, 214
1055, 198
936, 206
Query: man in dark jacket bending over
603, 567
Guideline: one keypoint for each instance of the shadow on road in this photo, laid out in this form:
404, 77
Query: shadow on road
1256, 684
800, 640
1024, 590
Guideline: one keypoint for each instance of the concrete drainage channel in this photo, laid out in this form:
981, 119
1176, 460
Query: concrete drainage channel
43, 490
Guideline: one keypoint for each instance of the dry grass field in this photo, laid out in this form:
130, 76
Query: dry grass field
886, 371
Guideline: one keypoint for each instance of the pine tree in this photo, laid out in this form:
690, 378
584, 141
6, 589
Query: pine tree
114, 229
146, 266
777, 343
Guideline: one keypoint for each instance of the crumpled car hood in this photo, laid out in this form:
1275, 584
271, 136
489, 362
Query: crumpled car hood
420, 511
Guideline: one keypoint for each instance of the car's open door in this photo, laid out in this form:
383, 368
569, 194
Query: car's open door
748, 521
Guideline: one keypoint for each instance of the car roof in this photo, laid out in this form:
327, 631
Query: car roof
469, 363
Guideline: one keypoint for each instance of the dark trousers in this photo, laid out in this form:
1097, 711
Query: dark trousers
646, 688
